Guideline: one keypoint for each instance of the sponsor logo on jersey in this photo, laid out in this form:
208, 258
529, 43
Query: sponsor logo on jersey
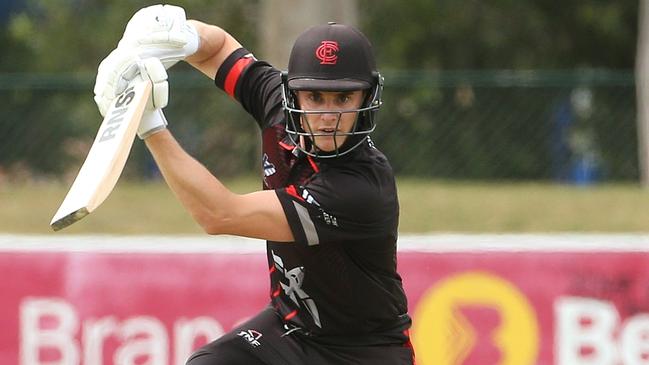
370, 143
269, 168
329, 219
251, 336
309, 198
293, 289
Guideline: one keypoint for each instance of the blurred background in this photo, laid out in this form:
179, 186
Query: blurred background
527, 94
516, 129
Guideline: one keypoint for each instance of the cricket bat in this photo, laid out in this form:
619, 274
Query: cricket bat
107, 156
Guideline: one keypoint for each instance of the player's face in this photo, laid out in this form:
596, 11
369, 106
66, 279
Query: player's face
334, 116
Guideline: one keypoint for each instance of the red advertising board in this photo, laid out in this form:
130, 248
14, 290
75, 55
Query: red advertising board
130, 301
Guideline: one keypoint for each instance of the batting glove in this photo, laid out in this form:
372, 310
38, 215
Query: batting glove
161, 31
114, 74
153, 120
119, 69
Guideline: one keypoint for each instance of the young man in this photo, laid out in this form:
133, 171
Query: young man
329, 208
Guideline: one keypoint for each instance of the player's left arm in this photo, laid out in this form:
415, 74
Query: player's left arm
217, 209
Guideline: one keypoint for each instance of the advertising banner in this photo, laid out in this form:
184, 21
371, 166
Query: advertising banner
129, 301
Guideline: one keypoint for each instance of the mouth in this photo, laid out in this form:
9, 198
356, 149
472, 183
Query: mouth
327, 131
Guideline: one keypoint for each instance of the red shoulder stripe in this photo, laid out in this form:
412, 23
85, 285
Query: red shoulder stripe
233, 75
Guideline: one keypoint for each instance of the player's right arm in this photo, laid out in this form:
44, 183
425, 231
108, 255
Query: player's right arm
214, 207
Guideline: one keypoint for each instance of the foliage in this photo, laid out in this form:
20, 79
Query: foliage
50, 120
502, 34
454, 123
74, 36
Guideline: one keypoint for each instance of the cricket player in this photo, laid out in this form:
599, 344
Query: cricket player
329, 208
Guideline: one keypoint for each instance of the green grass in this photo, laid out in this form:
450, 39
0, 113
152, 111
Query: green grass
132, 208
522, 207
426, 206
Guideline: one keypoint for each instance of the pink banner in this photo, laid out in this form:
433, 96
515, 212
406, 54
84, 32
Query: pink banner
497, 307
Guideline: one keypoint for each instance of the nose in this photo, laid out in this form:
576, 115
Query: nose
329, 117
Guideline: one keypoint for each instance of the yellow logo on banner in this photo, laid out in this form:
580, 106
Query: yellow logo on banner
475, 318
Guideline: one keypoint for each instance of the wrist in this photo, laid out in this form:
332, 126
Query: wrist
153, 121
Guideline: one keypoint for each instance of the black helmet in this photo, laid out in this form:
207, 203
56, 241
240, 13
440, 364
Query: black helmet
332, 57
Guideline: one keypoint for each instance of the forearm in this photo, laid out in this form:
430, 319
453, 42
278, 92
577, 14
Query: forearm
214, 47
203, 195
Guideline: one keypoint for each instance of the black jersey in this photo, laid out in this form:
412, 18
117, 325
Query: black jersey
338, 281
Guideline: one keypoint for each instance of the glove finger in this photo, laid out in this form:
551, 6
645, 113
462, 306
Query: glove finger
161, 38
139, 20
160, 95
161, 25
173, 15
120, 66
165, 17
178, 38
119, 88
177, 33
164, 39
122, 76
154, 70
131, 70
114, 73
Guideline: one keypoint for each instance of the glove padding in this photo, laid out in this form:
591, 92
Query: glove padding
153, 120
117, 71
161, 31
114, 74
121, 67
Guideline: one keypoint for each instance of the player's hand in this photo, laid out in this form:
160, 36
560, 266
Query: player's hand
119, 69
161, 31
114, 74
153, 120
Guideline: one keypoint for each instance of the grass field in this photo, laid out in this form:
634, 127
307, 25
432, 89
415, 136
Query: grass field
426, 206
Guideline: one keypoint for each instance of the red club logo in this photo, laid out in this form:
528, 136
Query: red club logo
327, 52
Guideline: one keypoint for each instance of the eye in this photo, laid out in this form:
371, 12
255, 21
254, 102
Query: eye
344, 98
314, 97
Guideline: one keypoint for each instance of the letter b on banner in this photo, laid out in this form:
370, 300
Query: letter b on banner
48, 324
587, 334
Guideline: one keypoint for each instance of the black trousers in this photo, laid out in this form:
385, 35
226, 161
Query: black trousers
264, 340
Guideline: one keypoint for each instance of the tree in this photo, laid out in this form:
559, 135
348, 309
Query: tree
502, 34
48, 119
